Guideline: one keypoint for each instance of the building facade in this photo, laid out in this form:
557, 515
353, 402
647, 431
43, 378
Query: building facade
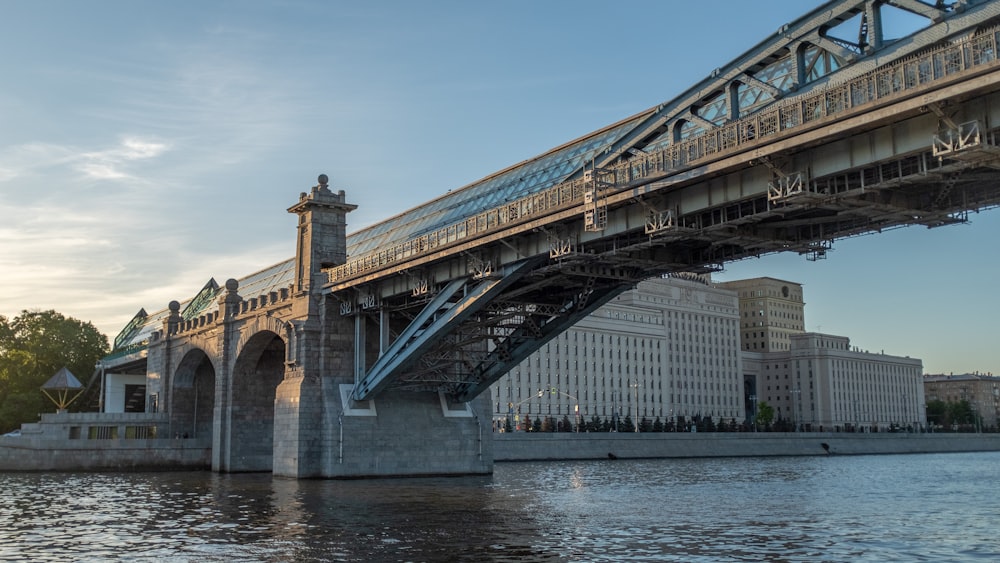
667, 349
677, 347
822, 383
981, 390
771, 311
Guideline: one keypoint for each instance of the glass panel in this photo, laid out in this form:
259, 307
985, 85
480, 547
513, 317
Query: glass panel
532, 177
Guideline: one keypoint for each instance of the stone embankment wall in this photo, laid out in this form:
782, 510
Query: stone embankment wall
102, 442
528, 446
37, 454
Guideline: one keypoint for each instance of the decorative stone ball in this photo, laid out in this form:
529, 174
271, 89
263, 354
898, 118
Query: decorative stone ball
323, 179
174, 306
232, 285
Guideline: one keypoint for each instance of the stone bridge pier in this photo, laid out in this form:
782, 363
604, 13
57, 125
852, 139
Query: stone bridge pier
319, 431
269, 375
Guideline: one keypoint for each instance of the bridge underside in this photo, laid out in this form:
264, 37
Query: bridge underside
475, 328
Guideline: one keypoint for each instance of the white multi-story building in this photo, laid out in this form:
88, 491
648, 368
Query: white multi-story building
771, 311
823, 383
678, 347
668, 348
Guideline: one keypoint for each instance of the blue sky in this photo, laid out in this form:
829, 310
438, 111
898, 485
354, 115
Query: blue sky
146, 147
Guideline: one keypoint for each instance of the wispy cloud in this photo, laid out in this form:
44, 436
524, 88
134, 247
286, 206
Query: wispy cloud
113, 163
107, 163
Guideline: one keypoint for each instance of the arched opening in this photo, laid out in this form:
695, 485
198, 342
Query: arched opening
259, 370
193, 397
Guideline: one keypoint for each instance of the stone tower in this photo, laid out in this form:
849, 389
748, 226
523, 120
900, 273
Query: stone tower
322, 234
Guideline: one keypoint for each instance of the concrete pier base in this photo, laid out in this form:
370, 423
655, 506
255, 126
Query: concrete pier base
408, 434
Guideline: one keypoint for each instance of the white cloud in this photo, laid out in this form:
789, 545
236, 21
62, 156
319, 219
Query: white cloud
110, 164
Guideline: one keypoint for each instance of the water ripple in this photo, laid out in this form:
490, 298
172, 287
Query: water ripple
868, 508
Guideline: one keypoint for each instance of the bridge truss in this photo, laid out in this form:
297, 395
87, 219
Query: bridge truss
790, 147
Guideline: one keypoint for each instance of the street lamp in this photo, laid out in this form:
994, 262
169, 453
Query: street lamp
576, 404
796, 395
614, 412
100, 400
636, 421
515, 409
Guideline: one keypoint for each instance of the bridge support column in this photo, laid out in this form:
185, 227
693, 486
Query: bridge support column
298, 427
404, 433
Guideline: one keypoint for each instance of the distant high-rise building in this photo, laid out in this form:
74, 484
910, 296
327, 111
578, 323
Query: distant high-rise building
771, 311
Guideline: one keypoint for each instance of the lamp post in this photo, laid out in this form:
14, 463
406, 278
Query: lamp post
635, 386
100, 400
753, 401
576, 404
516, 409
796, 394
614, 412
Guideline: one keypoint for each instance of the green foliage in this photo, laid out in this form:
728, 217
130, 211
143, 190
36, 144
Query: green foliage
937, 413
605, 425
565, 425
536, 426
657, 425
594, 424
765, 414
707, 425
507, 426
549, 424
33, 347
626, 425
951, 415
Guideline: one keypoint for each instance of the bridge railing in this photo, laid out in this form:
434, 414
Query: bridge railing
883, 82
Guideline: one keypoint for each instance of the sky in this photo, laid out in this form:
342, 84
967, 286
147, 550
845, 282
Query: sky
146, 147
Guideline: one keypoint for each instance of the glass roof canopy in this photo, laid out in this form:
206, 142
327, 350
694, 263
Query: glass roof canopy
524, 179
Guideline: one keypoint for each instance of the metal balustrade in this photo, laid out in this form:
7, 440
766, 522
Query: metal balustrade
889, 80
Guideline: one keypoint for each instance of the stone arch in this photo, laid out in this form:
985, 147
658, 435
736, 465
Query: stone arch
257, 372
192, 396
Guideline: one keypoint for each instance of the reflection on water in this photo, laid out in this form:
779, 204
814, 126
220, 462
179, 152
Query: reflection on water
871, 508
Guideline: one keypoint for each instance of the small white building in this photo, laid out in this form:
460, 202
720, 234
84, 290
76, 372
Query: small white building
124, 392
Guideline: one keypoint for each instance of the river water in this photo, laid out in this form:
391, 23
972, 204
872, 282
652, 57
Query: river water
929, 507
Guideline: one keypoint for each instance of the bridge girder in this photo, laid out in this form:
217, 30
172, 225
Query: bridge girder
855, 170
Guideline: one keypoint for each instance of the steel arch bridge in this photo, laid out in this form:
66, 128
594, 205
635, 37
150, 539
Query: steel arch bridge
824, 130
804, 139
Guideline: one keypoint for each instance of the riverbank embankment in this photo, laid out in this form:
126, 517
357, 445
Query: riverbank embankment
103, 442
538, 446
28, 454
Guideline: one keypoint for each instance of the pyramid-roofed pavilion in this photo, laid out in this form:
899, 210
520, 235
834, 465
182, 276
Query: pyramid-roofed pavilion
63, 380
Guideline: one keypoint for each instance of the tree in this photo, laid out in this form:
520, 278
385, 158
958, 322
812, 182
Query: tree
626, 425
961, 412
606, 425
657, 425
765, 414
594, 425
549, 424
645, 425
33, 347
937, 413
536, 426
565, 425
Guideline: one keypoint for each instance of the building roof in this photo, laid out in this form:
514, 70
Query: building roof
63, 380
940, 377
